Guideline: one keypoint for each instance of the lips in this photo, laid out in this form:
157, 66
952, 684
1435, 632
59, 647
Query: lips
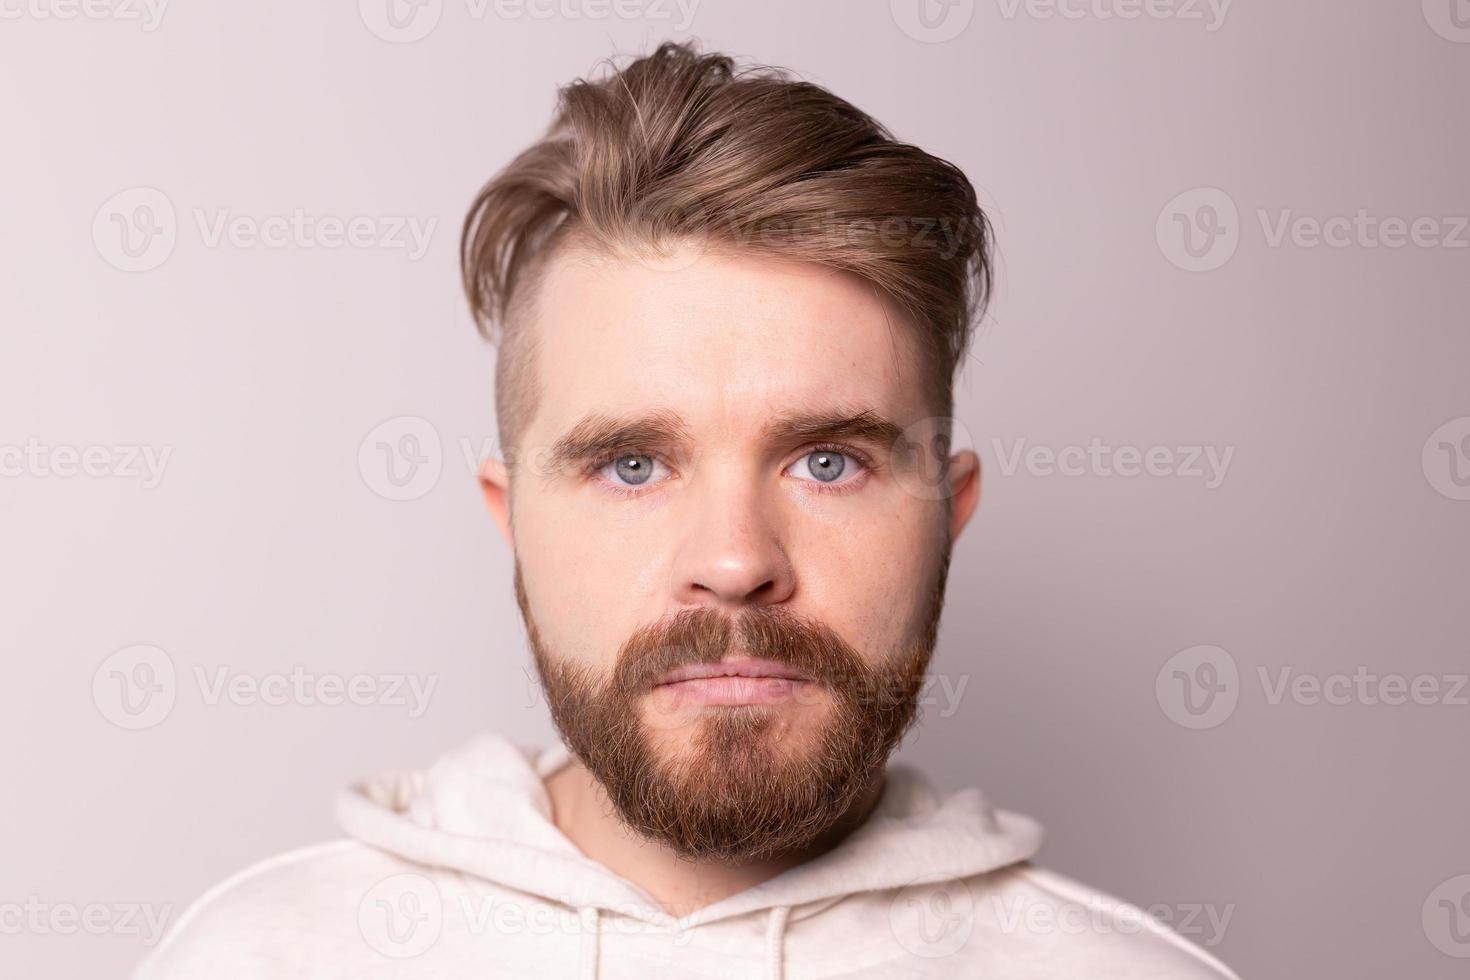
735, 681
751, 667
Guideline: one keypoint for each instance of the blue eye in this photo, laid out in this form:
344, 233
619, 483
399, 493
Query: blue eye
633, 469
827, 466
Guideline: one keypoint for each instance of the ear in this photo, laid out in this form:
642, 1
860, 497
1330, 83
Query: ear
964, 489
495, 487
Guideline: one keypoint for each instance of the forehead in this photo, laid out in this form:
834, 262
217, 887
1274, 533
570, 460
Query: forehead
719, 339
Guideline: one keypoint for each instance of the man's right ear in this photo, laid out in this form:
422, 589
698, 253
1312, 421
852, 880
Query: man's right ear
495, 487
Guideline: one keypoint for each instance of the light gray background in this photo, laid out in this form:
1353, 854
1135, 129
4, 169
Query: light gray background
1323, 829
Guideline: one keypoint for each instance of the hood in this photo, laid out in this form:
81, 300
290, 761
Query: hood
483, 810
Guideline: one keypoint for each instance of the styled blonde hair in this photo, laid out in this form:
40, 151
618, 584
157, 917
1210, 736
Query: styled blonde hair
681, 144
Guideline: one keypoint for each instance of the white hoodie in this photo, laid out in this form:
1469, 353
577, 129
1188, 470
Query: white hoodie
459, 872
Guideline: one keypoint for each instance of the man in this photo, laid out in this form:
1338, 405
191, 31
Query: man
729, 309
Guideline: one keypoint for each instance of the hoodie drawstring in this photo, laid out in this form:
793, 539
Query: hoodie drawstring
775, 935
588, 968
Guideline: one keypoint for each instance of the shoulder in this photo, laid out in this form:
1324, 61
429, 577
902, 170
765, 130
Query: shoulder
1053, 923
260, 922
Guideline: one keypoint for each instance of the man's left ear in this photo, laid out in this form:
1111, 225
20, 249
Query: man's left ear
964, 489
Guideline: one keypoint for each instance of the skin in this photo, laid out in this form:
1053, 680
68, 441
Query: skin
728, 517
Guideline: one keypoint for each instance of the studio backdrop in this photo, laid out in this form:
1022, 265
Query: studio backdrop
1208, 625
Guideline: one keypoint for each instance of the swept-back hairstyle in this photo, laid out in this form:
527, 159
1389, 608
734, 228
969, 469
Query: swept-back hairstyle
681, 145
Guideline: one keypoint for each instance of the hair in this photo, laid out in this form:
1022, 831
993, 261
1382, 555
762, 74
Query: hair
680, 145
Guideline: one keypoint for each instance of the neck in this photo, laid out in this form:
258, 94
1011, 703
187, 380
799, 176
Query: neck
582, 811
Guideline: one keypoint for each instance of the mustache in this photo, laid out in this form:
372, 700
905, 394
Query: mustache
704, 635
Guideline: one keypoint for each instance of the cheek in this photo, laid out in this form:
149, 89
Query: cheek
870, 579
587, 577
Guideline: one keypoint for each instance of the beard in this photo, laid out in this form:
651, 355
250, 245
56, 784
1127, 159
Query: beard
736, 782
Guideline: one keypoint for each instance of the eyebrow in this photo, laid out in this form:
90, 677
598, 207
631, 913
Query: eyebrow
597, 436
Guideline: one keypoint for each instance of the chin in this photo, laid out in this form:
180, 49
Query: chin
713, 733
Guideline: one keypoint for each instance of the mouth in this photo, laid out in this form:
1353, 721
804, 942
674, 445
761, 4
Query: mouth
738, 680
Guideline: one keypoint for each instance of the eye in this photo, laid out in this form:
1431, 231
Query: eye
629, 471
829, 466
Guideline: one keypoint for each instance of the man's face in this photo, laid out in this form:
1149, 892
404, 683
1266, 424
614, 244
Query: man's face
731, 606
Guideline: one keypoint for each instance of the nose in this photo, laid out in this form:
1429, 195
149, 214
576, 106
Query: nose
732, 554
